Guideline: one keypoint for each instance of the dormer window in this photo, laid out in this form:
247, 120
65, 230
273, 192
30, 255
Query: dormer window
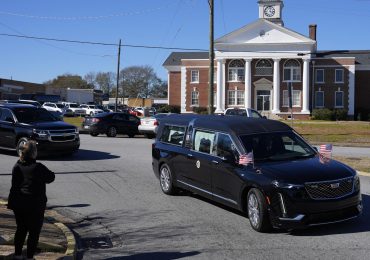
236, 70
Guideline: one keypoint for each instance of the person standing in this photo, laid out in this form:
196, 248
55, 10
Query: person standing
27, 198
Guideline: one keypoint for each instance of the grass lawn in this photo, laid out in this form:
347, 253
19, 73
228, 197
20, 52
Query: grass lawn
358, 163
77, 121
345, 133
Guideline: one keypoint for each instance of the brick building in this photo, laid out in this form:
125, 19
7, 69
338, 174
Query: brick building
13, 89
255, 64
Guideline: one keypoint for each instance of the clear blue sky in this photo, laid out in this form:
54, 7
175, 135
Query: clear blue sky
342, 24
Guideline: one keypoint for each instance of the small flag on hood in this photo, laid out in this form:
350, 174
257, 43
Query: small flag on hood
326, 150
246, 159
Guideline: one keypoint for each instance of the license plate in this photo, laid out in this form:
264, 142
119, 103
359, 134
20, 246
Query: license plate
86, 126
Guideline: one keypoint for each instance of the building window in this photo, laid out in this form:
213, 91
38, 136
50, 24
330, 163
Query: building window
194, 76
339, 99
319, 76
195, 98
264, 68
236, 70
339, 76
319, 99
292, 71
236, 97
296, 98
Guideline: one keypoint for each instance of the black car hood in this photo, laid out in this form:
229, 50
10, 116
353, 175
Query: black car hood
306, 170
53, 125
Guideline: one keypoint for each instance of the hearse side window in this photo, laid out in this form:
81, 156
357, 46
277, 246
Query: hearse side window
225, 147
204, 141
173, 134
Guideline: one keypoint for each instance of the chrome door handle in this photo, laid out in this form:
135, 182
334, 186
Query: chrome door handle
214, 161
190, 155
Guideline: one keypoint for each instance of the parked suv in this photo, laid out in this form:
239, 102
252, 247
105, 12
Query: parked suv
72, 109
19, 123
258, 166
91, 110
248, 112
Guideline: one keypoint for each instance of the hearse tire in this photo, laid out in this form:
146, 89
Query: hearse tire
257, 211
166, 180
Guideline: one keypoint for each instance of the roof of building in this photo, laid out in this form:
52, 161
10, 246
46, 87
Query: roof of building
237, 124
175, 57
362, 56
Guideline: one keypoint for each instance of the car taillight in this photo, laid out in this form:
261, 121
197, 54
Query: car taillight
156, 122
95, 120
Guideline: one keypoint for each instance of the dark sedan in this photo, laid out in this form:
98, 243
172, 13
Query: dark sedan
112, 124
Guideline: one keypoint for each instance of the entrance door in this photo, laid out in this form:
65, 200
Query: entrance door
263, 100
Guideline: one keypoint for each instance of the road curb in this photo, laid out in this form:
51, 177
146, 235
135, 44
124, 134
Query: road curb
71, 250
364, 173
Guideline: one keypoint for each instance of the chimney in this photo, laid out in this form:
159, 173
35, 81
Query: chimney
312, 31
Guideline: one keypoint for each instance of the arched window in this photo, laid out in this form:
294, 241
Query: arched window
236, 70
292, 70
264, 68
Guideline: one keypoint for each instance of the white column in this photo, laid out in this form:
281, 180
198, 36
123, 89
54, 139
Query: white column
351, 91
305, 87
223, 87
219, 87
276, 90
183, 90
248, 84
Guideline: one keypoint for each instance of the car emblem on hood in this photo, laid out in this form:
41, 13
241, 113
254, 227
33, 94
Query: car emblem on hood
334, 185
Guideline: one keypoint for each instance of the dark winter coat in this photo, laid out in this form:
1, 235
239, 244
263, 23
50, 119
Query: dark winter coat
29, 181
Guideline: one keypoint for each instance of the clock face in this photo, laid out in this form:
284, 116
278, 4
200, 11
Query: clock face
269, 11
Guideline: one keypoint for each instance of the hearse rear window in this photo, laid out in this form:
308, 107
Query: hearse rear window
173, 134
203, 141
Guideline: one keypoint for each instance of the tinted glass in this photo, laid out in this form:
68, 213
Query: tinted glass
60, 105
6, 115
73, 105
204, 141
30, 114
225, 147
255, 114
173, 134
276, 146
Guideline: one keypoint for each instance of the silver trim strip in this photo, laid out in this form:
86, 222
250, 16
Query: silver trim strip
218, 196
282, 203
297, 218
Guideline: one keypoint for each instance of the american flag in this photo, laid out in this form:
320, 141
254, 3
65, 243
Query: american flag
246, 159
326, 149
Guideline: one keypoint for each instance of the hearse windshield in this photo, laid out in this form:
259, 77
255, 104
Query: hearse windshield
282, 146
33, 114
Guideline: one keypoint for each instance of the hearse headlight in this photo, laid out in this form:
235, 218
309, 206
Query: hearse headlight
356, 182
41, 134
282, 185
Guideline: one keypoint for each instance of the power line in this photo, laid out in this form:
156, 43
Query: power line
101, 43
74, 18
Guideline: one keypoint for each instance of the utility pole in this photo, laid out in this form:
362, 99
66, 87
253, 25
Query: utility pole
119, 58
211, 58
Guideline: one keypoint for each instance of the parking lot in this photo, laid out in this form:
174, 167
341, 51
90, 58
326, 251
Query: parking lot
110, 190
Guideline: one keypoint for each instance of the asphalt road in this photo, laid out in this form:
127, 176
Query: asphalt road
110, 190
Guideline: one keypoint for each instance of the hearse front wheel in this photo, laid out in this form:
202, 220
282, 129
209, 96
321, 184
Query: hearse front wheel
257, 211
166, 180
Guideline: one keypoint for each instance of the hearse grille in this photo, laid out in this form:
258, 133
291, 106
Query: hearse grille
330, 189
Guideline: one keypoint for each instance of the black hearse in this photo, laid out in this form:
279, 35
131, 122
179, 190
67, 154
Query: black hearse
20, 122
288, 184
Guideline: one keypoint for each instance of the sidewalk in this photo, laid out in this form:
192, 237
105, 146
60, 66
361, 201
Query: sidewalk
56, 240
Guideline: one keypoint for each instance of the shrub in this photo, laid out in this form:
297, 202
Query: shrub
363, 114
340, 114
322, 114
200, 110
169, 109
